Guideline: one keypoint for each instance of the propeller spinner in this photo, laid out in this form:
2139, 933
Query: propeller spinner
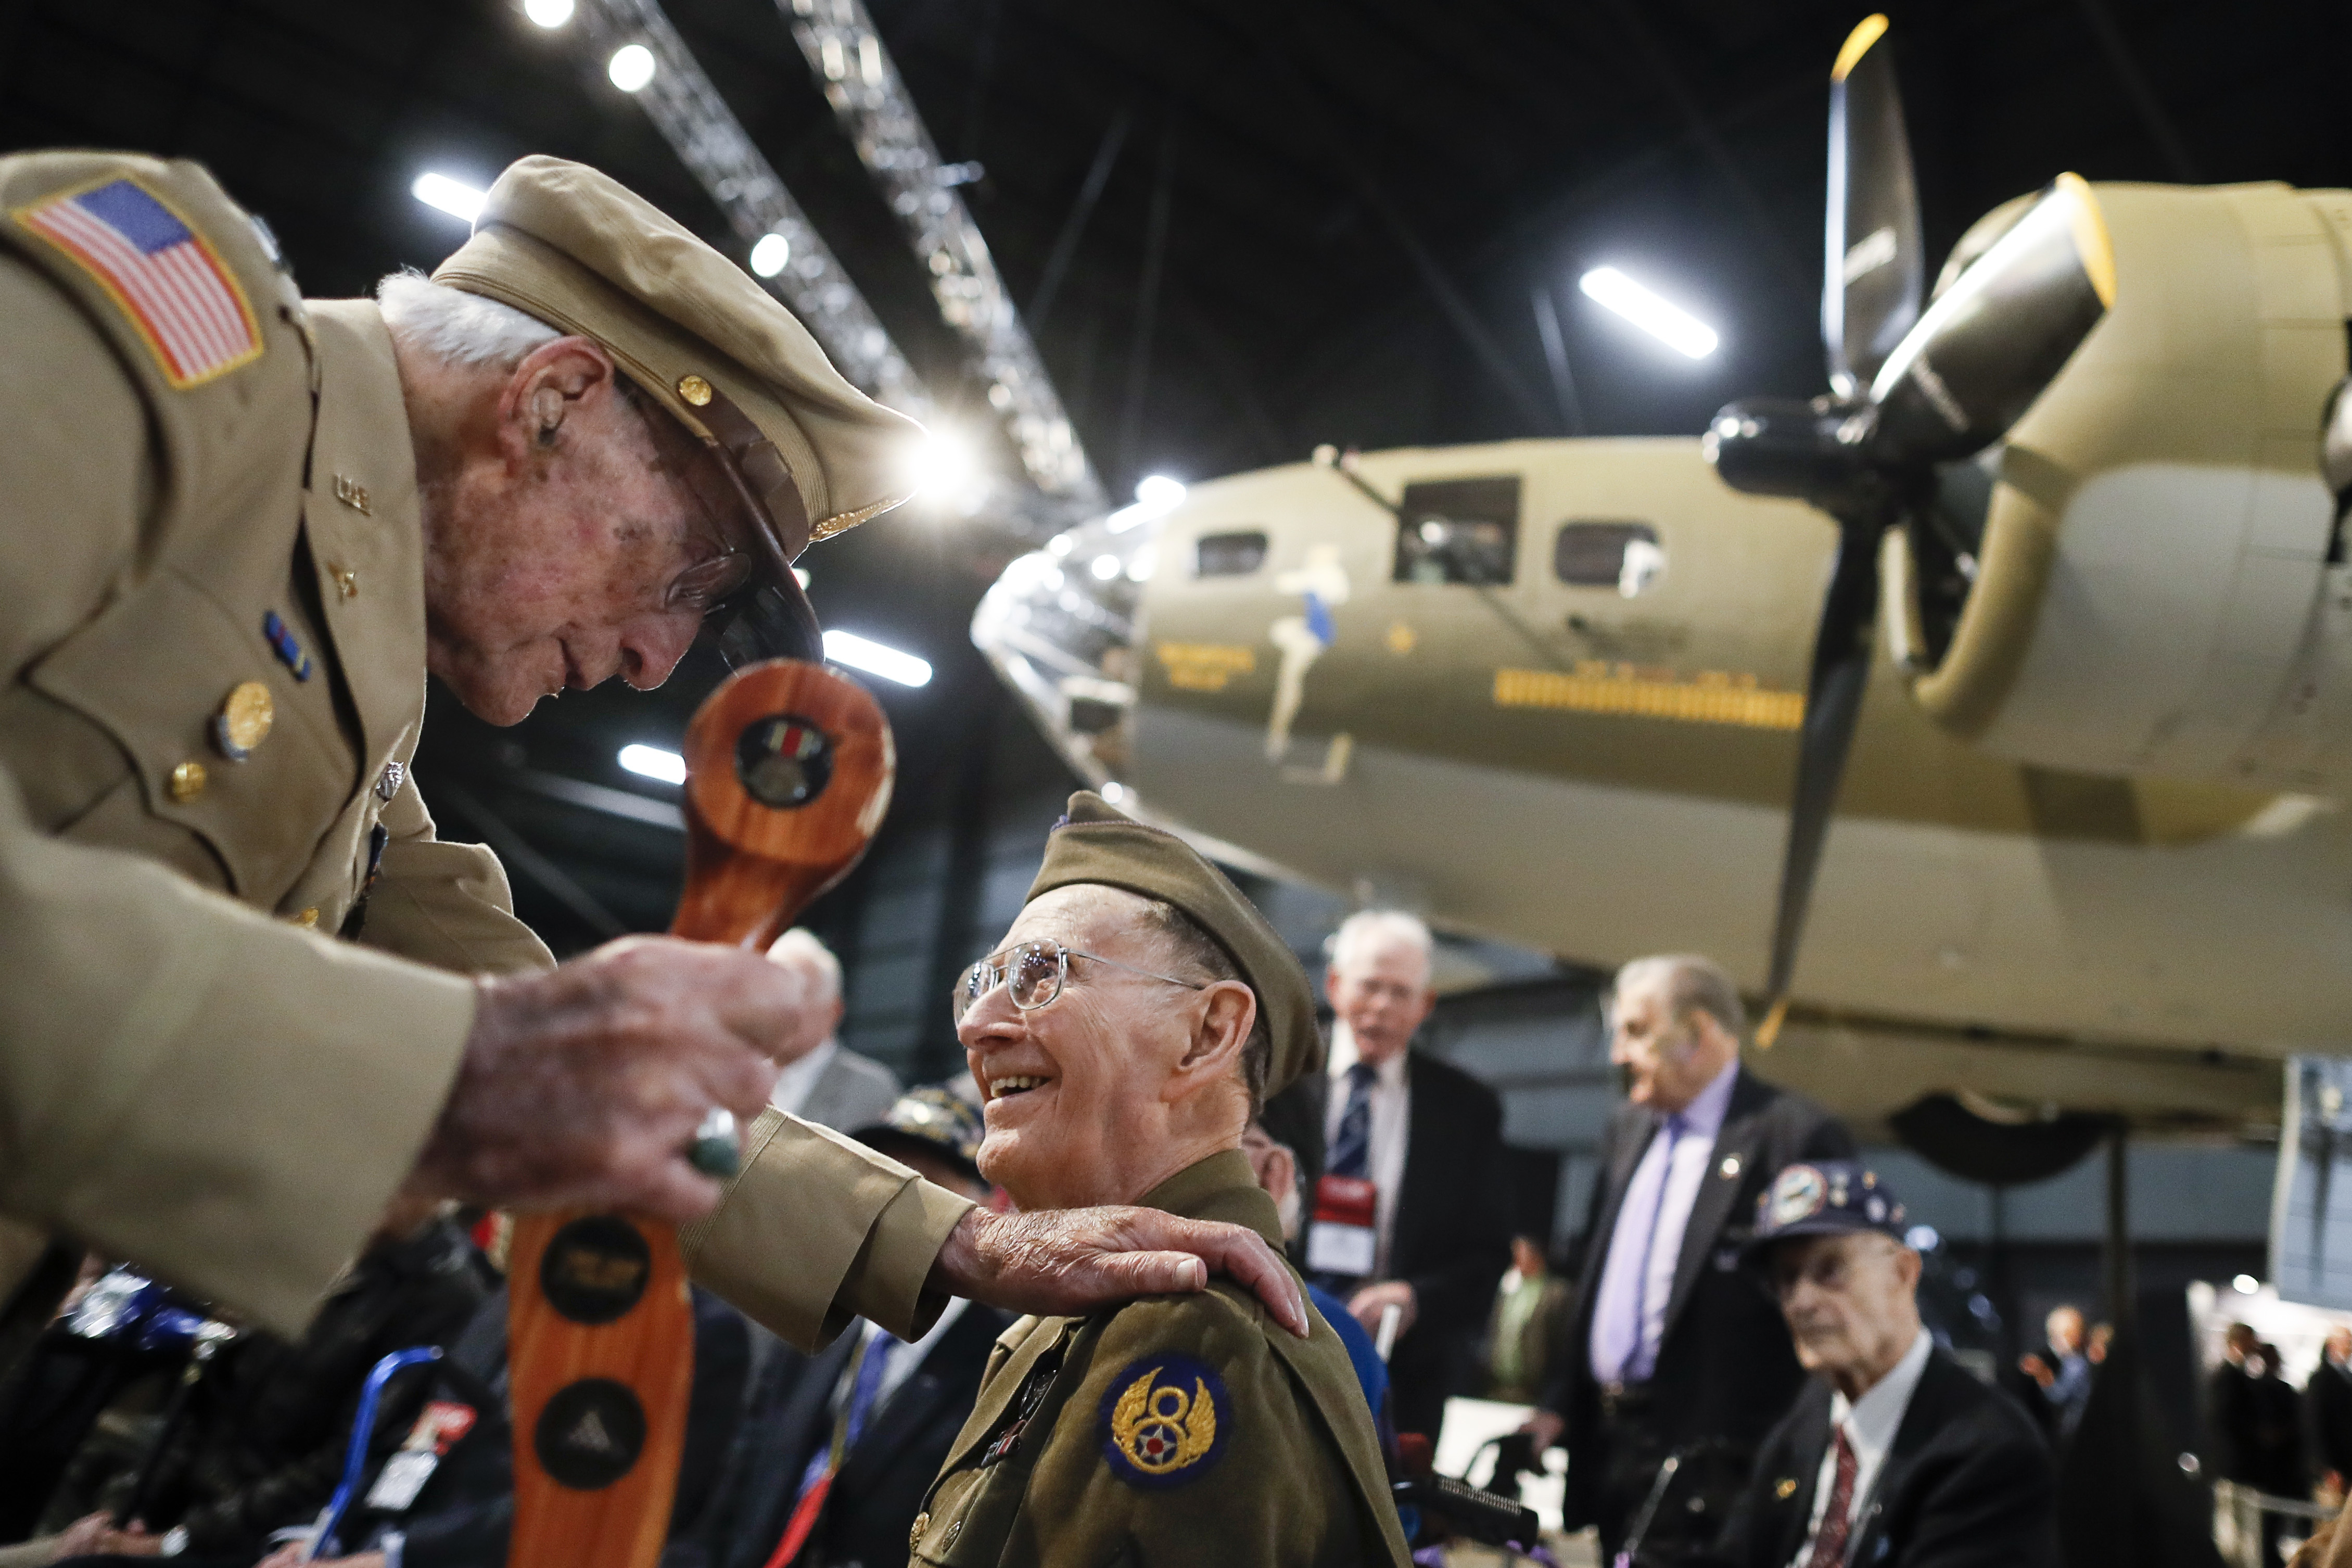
1912, 391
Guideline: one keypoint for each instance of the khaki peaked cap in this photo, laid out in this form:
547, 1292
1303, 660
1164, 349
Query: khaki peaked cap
1096, 844
581, 251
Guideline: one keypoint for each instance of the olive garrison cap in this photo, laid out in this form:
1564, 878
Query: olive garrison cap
1096, 844
810, 453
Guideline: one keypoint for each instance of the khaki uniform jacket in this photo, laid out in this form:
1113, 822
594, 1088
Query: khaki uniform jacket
194, 1074
1175, 1429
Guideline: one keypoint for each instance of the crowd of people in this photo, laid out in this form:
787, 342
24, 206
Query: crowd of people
1734, 1363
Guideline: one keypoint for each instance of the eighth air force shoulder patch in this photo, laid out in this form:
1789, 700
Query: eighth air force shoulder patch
1165, 1422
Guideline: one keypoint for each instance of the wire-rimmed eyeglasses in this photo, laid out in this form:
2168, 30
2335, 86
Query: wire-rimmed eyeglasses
1034, 972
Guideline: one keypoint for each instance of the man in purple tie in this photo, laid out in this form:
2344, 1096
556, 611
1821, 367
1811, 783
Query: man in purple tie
1677, 1352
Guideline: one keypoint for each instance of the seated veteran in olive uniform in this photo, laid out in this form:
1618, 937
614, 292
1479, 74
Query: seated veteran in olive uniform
238, 526
1138, 1014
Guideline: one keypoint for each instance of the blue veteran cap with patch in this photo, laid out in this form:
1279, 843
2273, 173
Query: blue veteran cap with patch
1823, 1197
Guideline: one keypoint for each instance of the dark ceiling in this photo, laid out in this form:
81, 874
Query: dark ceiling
1359, 197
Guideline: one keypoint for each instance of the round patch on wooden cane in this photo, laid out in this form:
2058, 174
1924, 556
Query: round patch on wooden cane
590, 1434
783, 760
595, 1268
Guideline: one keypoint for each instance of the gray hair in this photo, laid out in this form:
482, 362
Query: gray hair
458, 328
801, 945
1368, 927
1691, 982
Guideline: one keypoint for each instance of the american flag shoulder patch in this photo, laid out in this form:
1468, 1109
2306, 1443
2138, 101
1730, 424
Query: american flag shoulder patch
164, 276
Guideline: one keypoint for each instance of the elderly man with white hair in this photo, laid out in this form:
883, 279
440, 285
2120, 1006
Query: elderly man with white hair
1409, 1207
819, 1079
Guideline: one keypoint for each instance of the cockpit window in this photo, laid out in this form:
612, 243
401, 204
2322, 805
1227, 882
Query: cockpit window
1229, 555
1624, 556
1459, 530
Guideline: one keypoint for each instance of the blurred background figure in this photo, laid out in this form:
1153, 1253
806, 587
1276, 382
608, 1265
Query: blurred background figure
1276, 1164
838, 1448
1428, 1139
823, 1080
1893, 1455
2328, 1401
2255, 1427
260, 1436
1674, 1351
1529, 1325
2060, 1371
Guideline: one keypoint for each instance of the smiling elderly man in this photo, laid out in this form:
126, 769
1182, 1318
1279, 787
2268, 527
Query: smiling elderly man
237, 529
1136, 1016
1895, 1456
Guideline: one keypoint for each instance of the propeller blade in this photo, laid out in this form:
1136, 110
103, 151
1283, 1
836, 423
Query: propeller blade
1999, 334
1832, 702
1876, 267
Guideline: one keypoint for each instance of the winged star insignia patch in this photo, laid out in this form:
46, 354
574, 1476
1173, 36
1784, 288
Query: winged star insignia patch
1165, 1422
165, 276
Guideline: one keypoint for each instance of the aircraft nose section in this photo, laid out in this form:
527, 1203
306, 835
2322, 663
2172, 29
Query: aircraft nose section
1061, 627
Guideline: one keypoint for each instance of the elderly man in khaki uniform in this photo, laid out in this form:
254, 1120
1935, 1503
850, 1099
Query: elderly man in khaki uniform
1136, 1019
239, 527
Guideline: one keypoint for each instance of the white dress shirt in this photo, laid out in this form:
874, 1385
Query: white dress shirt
793, 1083
1692, 1156
1870, 1424
1392, 1129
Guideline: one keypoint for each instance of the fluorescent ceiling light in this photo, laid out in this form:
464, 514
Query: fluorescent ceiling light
440, 190
631, 66
1156, 495
1670, 324
653, 762
875, 659
547, 12
770, 253
1105, 567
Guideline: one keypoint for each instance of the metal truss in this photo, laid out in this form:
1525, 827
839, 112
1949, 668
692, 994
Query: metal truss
863, 86
710, 141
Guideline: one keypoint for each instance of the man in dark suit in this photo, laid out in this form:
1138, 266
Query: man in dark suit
1677, 1352
2328, 1399
839, 1448
1893, 1455
1408, 1203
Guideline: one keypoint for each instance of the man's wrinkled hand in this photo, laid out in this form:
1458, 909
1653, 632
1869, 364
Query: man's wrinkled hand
583, 1085
1070, 1262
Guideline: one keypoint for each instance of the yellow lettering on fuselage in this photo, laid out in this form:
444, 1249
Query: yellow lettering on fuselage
1204, 666
1713, 697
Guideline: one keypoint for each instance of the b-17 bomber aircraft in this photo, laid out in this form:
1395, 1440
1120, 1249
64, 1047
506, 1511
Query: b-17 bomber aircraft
2071, 839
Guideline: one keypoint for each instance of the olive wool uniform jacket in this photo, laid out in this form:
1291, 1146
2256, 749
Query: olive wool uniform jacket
194, 1072
1174, 1429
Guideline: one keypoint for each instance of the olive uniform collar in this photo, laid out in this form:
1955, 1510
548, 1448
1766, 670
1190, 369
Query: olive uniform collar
1220, 1187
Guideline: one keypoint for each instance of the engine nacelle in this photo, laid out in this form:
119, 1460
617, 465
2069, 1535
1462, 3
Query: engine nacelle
2150, 588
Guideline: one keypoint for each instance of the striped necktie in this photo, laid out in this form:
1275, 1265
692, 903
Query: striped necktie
1352, 1151
816, 1481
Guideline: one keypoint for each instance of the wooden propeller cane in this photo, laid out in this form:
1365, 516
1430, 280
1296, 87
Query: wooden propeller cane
789, 770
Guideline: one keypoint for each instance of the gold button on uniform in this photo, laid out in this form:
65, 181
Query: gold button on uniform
1785, 1488
308, 918
915, 1536
694, 390
243, 720
347, 581
187, 782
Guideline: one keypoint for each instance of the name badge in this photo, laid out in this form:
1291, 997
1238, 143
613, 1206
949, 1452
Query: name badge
404, 1475
1341, 1238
